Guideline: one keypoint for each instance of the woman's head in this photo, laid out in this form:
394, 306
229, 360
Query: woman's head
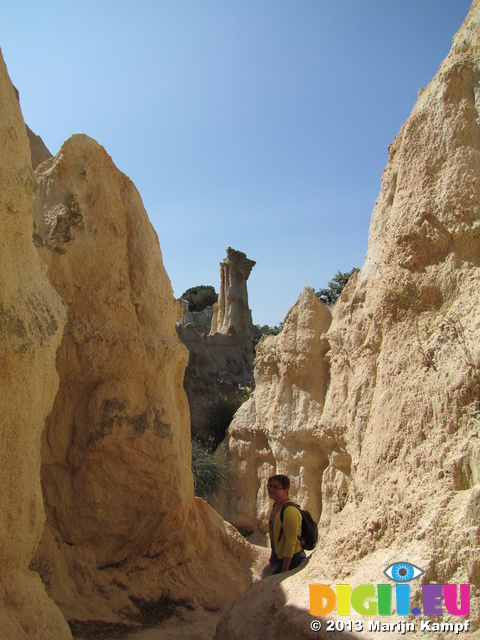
278, 482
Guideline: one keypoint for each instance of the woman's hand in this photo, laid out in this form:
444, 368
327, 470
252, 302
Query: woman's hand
286, 564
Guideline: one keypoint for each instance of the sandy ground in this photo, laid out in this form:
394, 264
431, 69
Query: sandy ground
194, 625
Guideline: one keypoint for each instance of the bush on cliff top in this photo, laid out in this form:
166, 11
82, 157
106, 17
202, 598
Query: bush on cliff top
199, 298
335, 287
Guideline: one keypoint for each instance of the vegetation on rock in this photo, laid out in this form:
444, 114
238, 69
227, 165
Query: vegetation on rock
199, 298
335, 287
221, 414
210, 465
209, 468
274, 331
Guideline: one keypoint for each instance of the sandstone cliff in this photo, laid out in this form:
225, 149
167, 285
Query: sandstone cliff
381, 434
38, 150
279, 424
122, 520
124, 537
31, 322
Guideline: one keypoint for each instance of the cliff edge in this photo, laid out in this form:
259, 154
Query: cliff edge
32, 317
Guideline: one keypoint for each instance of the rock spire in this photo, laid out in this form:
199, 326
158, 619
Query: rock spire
232, 310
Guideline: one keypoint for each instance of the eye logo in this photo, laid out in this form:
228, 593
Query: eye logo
403, 572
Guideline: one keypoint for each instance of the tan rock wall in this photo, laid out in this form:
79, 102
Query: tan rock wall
275, 431
38, 150
116, 454
120, 401
31, 321
398, 424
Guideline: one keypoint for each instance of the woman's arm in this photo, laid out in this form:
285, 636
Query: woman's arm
292, 523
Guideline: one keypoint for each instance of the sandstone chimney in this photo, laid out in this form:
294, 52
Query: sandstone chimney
231, 312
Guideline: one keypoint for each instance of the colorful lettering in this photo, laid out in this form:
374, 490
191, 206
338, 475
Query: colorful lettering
402, 595
359, 598
432, 599
450, 595
384, 592
343, 599
322, 599
367, 600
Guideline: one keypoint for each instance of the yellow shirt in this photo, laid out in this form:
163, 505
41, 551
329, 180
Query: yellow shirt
289, 542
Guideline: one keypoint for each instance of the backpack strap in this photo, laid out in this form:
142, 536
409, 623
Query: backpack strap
287, 504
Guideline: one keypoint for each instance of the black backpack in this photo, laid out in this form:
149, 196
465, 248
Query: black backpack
309, 537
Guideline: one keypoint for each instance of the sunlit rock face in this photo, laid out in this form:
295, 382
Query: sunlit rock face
396, 435
31, 321
120, 401
122, 519
231, 313
278, 426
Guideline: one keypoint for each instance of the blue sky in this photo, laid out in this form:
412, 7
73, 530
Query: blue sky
257, 124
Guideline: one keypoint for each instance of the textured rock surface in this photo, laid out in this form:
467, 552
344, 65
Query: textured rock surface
398, 427
278, 425
201, 320
122, 519
39, 152
119, 403
232, 310
221, 359
31, 320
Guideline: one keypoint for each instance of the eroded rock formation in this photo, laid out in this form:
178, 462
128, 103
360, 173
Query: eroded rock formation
122, 518
123, 528
221, 360
31, 321
38, 150
278, 425
119, 404
231, 312
392, 425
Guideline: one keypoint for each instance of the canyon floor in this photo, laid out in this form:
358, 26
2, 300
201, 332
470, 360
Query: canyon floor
186, 625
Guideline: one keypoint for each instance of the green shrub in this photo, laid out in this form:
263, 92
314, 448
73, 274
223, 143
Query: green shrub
209, 469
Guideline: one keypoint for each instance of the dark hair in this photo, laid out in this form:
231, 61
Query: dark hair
283, 480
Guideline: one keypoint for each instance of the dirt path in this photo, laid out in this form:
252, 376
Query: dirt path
193, 625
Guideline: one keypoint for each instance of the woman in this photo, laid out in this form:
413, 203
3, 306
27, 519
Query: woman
287, 552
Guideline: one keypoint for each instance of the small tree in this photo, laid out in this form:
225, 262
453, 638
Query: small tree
335, 287
201, 297
274, 331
